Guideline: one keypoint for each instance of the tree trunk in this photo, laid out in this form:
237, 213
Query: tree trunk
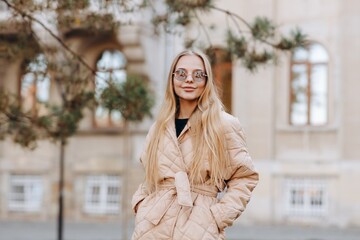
61, 191
127, 148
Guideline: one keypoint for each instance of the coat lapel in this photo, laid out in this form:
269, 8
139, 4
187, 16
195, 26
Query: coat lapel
186, 128
171, 133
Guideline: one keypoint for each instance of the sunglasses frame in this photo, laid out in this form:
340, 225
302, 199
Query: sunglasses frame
203, 77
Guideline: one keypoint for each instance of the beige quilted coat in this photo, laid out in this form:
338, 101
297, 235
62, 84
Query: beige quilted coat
180, 211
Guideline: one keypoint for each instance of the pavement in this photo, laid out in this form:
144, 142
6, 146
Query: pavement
14, 230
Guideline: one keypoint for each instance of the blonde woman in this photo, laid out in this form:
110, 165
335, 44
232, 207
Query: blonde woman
193, 152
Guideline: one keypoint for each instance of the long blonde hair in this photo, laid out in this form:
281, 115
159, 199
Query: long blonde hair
207, 133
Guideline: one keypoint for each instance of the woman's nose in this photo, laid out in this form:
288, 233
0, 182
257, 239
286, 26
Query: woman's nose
189, 78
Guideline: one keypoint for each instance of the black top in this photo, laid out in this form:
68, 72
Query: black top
180, 124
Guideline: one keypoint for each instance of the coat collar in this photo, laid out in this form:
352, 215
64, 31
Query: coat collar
171, 132
170, 128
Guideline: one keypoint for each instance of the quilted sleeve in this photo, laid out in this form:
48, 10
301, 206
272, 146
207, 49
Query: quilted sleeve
242, 178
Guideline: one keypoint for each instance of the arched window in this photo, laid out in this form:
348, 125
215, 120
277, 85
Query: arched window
110, 67
309, 86
35, 84
222, 70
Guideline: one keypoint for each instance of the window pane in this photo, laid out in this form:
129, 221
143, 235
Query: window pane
33, 194
105, 62
116, 116
25, 193
305, 196
18, 193
119, 76
102, 194
102, 116
318, 53
110, 60
43, 88
100, 83
39, 69
316, 197
299, 104
318, 112
297, 197
309, 85
300, 54
35, 83
39, 64
111, 67
113, 195
95, 194
28, 87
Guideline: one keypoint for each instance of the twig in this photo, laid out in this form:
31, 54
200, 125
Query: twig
29, 16
204, 28
231, 14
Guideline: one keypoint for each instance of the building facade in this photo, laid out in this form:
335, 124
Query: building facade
301, 119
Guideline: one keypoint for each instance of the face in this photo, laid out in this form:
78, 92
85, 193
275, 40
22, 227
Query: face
189, 89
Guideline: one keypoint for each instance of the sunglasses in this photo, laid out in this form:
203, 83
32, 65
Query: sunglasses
197, 75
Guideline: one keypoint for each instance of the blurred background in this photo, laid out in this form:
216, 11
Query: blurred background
67, 139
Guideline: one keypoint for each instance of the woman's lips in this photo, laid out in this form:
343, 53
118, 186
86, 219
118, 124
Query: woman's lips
188, 89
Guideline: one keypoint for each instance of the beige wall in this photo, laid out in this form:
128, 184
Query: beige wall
350, 57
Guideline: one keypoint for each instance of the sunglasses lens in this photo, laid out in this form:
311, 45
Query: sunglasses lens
180, 75
198, 75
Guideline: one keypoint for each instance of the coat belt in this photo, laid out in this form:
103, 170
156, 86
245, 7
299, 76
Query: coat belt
202, 189
172, 187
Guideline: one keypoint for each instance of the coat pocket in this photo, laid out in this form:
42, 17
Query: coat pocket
159, 207
212, 221
137, 198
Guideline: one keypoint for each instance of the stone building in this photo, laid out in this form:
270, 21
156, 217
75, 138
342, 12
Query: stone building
301, 119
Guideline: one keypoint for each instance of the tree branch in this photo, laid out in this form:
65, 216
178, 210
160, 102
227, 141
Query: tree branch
231, 14
204, 29
62, 43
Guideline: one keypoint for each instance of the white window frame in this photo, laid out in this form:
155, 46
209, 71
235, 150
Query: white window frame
306, 197
31, 197
108, 198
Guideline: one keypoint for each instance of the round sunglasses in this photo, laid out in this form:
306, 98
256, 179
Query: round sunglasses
197, 75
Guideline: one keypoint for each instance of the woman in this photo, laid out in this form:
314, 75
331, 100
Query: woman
193, 152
